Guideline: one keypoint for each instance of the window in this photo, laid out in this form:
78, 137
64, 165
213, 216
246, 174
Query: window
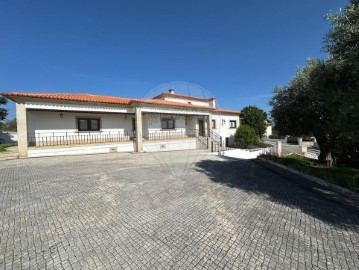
167, 124
232, 123
88, 124
213, 124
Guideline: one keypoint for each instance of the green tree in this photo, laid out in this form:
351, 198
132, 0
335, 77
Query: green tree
255, 118
3, 111
323, 98
308, 105
245, 136
342, 42
10, 125
342, 39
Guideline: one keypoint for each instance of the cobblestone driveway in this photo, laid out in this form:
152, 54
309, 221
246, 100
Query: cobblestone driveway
157, 211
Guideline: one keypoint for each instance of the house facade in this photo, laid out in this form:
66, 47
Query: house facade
61, 124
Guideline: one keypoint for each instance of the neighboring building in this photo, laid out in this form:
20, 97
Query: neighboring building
268, 128
59, 124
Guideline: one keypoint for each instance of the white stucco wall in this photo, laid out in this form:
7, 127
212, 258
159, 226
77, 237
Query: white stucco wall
268, 131
47, 128
51, 122
170, 145
82, 150
153, 123
223, 126
188, 101
192, 123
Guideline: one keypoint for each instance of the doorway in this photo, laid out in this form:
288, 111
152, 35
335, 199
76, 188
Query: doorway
201, 127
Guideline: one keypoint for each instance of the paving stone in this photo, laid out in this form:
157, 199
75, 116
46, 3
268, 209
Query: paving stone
171, 210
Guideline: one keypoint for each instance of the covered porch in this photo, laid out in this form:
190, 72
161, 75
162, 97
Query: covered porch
61, 132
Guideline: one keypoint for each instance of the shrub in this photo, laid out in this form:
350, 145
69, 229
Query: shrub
344, 176
275, 135
245, 136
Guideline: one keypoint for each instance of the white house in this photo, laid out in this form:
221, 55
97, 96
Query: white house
60, 124
268, 129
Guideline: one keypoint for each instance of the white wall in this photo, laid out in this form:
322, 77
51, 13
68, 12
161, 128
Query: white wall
244, 154
153, 123
188, 101
223, 126
49, 122
192, 123
268, 131
81, 150
175, 145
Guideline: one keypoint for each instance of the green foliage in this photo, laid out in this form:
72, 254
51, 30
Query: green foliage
6, 145
245, 136
342, 39
275, 135
343, 176
3, 111
323, 98
9, 125
255, 118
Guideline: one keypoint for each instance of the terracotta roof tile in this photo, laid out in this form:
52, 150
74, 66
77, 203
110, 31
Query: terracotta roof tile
108, 99
69, 97
226, 111
169, 103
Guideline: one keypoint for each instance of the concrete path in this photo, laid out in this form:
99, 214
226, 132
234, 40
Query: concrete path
10, 153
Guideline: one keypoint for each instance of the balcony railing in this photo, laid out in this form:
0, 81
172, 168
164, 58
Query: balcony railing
73, 138
168, 134
76, 138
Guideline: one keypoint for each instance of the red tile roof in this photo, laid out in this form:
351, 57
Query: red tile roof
226, 111
168, 103
71, 97
108, 99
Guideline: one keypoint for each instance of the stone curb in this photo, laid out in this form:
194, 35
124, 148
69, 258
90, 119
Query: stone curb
317, 180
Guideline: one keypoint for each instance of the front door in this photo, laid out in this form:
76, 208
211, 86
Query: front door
201, 127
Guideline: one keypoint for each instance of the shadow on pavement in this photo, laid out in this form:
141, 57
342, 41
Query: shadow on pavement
283, 188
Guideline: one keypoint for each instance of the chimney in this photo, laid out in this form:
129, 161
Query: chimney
171, 91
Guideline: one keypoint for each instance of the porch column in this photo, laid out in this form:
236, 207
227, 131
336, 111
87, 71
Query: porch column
138, 115
21, 120
209, 125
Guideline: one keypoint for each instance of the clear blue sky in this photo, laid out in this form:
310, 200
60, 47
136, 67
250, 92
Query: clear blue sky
238, 50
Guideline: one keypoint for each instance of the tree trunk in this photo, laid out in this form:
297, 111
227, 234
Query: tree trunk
326, 145
326, 157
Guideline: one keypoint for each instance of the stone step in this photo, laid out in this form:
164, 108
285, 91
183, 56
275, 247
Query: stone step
12, 154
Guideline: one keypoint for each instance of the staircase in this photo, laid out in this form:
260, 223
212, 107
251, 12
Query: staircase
217, 144
214, 143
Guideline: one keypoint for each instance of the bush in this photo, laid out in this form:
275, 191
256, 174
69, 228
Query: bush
292, 140
275, 135
245, 136
3, 146
343, 176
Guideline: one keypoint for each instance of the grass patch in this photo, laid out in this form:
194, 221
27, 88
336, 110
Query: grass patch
343, 176
3, 146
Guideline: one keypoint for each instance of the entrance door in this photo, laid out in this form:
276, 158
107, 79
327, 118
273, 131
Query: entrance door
201, 127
